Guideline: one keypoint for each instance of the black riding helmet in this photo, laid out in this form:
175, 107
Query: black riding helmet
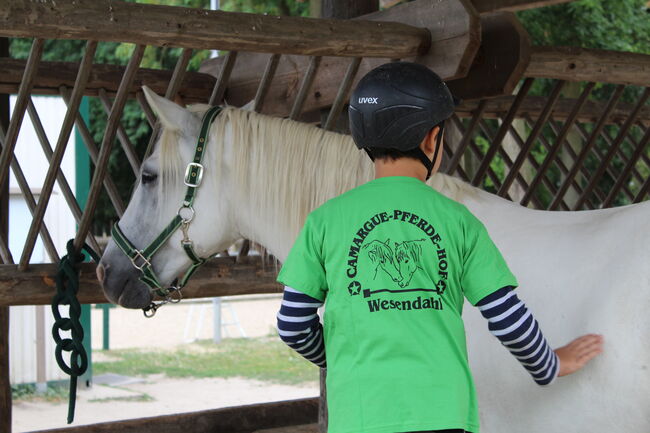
395, 105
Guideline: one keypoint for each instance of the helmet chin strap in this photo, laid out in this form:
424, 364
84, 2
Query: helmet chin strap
425, 159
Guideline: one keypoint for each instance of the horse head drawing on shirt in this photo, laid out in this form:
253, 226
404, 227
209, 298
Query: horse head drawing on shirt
382, 257
407, 259
401, 263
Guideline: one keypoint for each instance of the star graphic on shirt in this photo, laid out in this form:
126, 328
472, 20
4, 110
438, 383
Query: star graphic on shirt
354, 288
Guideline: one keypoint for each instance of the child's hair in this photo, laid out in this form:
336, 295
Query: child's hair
393, 154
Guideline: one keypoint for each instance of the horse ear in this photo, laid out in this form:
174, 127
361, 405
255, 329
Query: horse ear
171, 115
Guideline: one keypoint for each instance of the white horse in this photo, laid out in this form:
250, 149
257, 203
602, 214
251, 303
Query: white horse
579, 272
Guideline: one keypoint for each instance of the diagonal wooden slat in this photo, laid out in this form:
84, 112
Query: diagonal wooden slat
86, 137
612, 150
645, 189
490, 173
533, 162
123, 137
342, 95
30, 201
625, 174
305, 86
598, 155
506, 159
613, 100
560, 163
644, 158
265, 82
5, 254
19, 108
224, 77
467, 135
60, 177
530, 141
558, 143
101, 166
59, 150
172, 90
503, 130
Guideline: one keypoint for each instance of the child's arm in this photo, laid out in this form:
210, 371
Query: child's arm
514, 325
299, 325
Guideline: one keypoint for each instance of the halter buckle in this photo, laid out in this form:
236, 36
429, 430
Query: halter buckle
193, 174
138, 255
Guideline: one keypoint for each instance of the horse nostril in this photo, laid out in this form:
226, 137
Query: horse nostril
100, 273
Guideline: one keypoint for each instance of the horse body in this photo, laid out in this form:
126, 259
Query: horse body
579, 272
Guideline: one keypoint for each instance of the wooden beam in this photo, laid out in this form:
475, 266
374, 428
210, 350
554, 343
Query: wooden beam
455, 39
195, 87
148, 24
239, 419
534, 106
582, 64
487, 6
5, 380
500, 62
219, 277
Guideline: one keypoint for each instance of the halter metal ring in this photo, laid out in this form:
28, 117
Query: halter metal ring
190, 217
175, 296
138, 255
150, 311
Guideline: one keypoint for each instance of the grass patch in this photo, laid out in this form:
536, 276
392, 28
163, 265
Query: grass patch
266, 358
55, 393
141, 397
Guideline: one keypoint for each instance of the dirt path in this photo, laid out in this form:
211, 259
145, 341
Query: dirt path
155, 396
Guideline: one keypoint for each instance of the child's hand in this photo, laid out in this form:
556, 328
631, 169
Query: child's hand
578, 353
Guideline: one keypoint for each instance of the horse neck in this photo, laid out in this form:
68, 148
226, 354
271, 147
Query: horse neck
282, 170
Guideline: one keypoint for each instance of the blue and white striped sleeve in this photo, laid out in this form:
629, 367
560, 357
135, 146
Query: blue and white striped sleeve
514, 325
299, 325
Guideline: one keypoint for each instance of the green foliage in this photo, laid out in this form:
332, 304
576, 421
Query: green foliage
621, 25
55, 393
271, 7
267, 359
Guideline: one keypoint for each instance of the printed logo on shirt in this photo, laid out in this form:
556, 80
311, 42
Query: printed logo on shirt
394, 264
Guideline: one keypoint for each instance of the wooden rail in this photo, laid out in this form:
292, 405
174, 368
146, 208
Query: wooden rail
241, 419
582, 64
224, 276
147, 24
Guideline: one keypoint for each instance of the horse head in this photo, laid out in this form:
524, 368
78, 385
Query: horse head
407, 259
158, 199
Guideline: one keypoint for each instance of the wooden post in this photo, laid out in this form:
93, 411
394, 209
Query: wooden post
5, 384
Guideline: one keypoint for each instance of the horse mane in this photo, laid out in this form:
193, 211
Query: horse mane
283, 168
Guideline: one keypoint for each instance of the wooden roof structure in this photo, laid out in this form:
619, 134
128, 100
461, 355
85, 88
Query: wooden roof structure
547, 152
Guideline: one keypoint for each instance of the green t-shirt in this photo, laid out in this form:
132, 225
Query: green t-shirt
392, 259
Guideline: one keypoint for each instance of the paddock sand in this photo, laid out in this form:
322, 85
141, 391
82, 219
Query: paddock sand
157, 395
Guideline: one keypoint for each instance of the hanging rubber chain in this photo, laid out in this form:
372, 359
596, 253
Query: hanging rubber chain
67, 287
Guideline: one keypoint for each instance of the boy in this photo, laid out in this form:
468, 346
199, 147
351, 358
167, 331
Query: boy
393, 260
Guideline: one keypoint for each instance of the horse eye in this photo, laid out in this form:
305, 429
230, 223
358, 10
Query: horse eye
148, 177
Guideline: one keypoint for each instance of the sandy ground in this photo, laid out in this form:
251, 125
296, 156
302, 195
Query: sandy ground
242, 316
251, 316
105, 403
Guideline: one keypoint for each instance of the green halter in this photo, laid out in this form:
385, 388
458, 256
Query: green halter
141, 259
